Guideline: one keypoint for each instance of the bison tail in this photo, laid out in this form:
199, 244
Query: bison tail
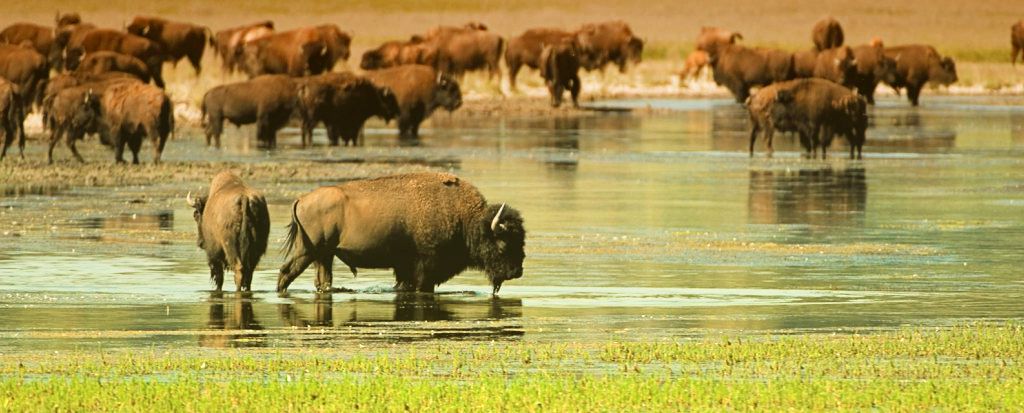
166, 118
294, 231
252, 242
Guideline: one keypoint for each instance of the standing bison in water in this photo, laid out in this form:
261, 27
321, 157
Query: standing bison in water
917, 65
560, 67
608, 42
419, 90
131, 111
12, 117
343, 102
428, 227
1016, 40
526, 48
739, 68
233, 225
827, 34
178, 40
228, 43
267, 101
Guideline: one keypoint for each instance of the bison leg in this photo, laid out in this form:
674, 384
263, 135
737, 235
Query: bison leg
135, 144
574, 91
195, 57
324, 274
753, 137
70, 139
157, 141
217, 273
513, 70
769, 140
214, 128
914, 94
8, 138
292, 269
405, 278
1013, 56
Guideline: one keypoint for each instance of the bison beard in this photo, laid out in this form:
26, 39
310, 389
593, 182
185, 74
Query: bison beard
428, 227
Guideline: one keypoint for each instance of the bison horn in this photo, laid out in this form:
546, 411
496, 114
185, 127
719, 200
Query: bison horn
497, 217
188, 198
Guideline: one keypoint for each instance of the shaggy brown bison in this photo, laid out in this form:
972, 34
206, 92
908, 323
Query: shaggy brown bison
299, 52
608, 42
837, 64
460, 50
73, 113
827, 34
739, 68
267, 101
233, 225
98, 83
131, 111
178, 40
12, 117
917, 65
872, 67
229, 43
67, 35
40, 37
104, 61
27, 69
710, 37
396, 53
1016, 40
125, 43
428, 227
816, 109
526, 48
343, 102
560, 67
419, 90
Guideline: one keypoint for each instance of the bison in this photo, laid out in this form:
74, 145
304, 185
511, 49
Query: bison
98, 83
710, 37
343, 102
695, 62
229, 43
608, 42
299, 52
816, 109
12, 117
419, 90
40, 37
526, 48
460, 50
872, 67
396, 53
131, 111
129, 44
28, 70
233, 225
917, 65
1016, 40
104, 61
739, 68
73, 113
837, 64
178, 40
560, 67
827, 34
266, 100
428, 227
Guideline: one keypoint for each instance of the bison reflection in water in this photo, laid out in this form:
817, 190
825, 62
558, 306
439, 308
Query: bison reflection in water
233, 313
428, 227
813, 197
405, 307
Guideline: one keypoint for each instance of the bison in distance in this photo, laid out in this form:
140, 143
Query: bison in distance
419, 90
178, 40
917, 65
12, 117
428, 227
560, 67
233, 225
267, 101
343, 102
229, 43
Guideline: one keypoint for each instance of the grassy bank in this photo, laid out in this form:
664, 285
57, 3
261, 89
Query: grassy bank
967, 368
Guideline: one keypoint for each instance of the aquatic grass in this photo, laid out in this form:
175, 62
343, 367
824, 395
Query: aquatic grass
964, 368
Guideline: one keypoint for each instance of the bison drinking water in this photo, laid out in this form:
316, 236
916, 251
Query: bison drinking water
233, 224
428, 227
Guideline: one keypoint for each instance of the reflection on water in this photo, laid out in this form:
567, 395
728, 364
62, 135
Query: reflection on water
24, 190
323, 311
162, 221
818, 197
231, 314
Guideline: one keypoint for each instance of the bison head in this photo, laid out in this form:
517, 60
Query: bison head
944, 72
885, 69
388, 104
67, 19
73, 57
198, 204
372, 59
499, 246
447, 94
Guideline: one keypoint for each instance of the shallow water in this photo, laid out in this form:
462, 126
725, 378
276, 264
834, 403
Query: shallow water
639, 226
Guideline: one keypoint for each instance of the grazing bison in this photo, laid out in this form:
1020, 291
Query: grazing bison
827, 34
428, 227
917, 65
1016, 40
695, 62
460, 50
560, 67
40, 37
299, 52
27, 69
608, 42
125, 43
816, 109
416, 51
343, 102
229, 43
526, 48
233, 226
12, 117
419, 90
131, 111
710, 37
739, 68
178, 40
104, 61
267, 101
73, 113
872, 67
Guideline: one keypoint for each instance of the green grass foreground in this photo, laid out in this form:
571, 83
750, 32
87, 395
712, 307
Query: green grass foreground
967, 368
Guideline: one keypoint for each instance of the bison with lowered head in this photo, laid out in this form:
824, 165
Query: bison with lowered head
12, 116
917, 65
178, 40
98, 63
73, 112
608, 42
428, 227
267, 101
415, 51
343, 102
419, 91
148, 51
228, 43
526, 48
233, 225
460, 50
560, 67
827, 34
